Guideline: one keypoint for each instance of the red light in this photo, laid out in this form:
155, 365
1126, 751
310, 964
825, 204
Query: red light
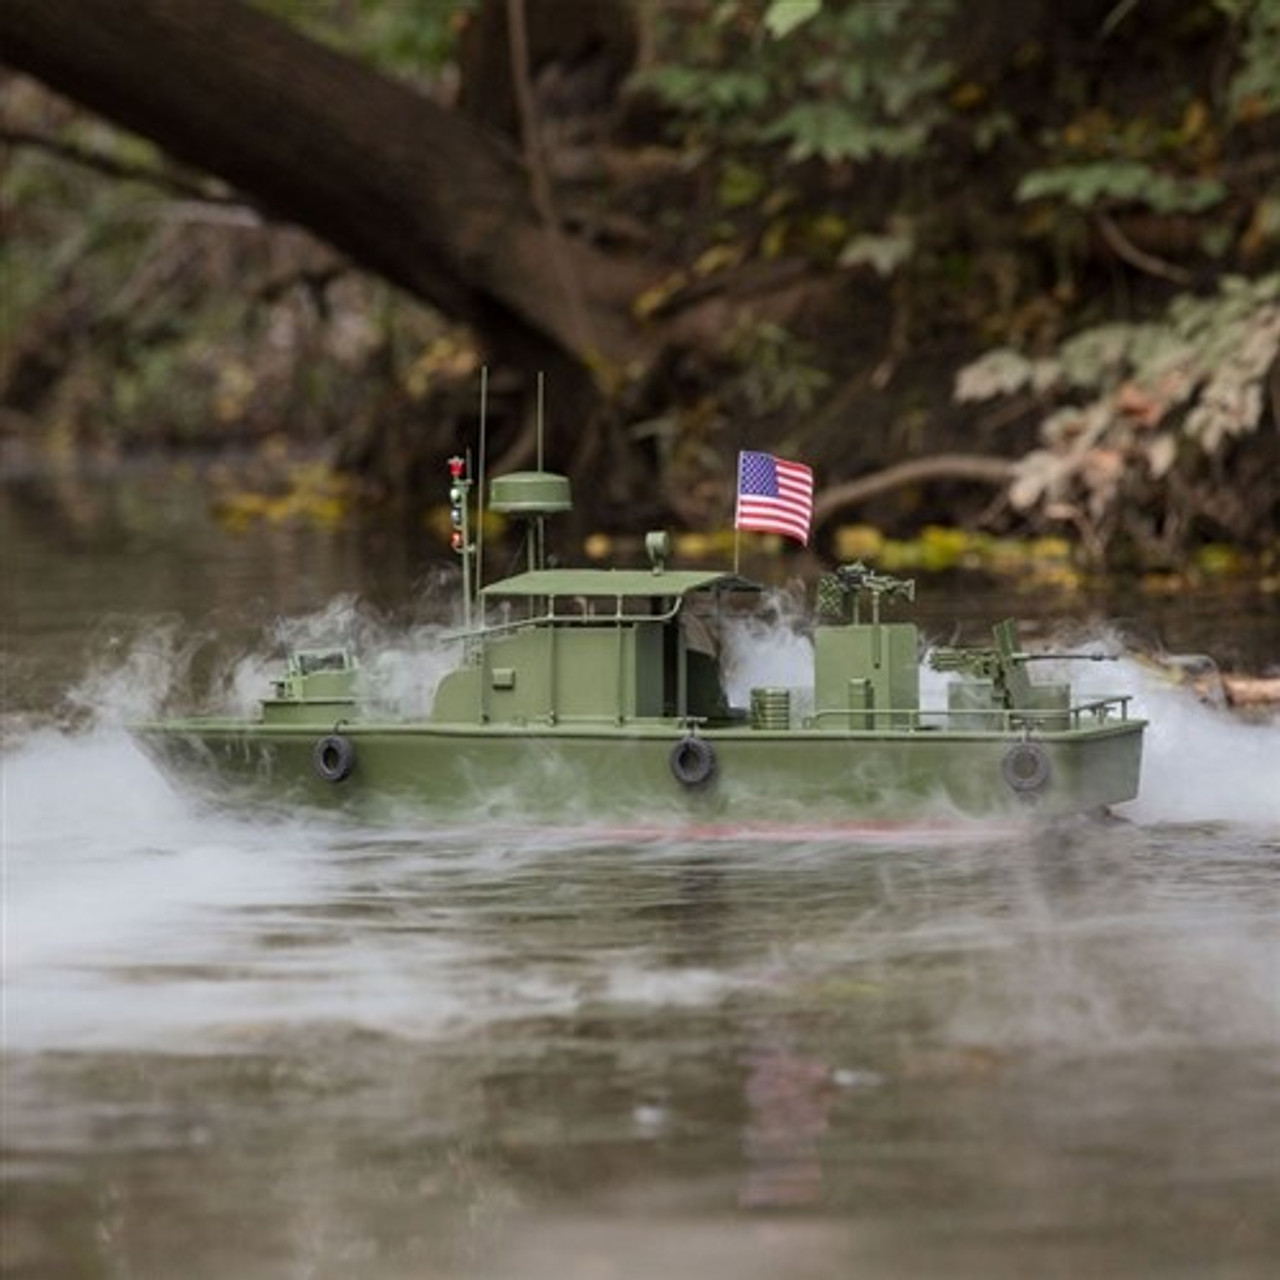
455, 541
456, 468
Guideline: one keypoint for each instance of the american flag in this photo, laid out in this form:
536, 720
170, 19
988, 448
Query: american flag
774, 496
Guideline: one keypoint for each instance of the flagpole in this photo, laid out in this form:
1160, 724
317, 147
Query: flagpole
737, 533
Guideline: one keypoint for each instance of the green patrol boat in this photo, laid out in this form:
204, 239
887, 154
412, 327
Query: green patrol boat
599, 695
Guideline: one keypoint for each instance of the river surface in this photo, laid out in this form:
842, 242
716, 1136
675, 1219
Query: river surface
280, 1045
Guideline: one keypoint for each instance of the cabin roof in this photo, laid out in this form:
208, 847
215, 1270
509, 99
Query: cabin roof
615, 583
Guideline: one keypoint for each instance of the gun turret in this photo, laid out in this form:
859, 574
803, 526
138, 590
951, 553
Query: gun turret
866, 673
840, 592
1003, 663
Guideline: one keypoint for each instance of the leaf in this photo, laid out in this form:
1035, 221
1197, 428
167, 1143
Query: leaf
1095, 357
1139, 403
741, 185
998, 373
1254, 90
884, 253
1102, 182
652, 300
720, 257
782, 17
1037, 476
1162, 452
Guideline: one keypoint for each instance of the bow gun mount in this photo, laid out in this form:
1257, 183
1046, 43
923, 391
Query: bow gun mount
1003, 664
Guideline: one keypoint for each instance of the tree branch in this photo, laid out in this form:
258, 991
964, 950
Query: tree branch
98, 162
385, 174
539, 176
975, 468
1124, 248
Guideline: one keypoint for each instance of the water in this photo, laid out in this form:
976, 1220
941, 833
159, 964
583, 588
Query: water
273, 1045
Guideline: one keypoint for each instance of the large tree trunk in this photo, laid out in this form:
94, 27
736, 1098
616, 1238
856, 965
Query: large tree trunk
416, 193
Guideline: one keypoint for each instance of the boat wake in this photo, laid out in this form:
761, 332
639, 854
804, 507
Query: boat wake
1201, 764
135, 914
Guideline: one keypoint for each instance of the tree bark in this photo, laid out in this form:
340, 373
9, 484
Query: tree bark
406, 188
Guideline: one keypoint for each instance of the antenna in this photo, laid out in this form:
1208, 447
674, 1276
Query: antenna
484, 421
531, 496
539, 421
538, 530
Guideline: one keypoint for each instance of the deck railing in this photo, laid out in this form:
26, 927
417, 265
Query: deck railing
1095, 712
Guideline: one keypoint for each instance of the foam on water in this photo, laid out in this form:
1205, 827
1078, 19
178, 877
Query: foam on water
105, 867
135, 915
1201, 764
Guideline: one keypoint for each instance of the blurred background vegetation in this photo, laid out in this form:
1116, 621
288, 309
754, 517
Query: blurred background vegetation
1014, 270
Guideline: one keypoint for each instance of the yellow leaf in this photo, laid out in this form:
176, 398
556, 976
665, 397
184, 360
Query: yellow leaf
653, 299
858, 542
719, 257
1195, 120
774, 241
967, 95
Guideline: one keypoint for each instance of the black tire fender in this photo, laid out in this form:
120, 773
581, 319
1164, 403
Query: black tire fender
693, 761
1026, 767
334, 757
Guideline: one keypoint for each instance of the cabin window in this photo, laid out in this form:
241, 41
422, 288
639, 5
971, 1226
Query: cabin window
308, 661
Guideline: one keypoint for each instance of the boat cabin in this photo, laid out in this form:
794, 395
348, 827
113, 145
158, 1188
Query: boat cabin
596, 646
619, 645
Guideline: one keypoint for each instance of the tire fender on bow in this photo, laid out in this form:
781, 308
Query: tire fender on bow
334, 757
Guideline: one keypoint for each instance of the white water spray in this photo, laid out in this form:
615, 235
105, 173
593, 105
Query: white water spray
108, 871
1200, 763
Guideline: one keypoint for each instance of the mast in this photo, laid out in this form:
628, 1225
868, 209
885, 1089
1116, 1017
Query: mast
460, 539
484, 435
538, 529
532, 496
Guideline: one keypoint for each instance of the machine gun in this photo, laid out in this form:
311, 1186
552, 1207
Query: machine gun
840, 592
1004, 664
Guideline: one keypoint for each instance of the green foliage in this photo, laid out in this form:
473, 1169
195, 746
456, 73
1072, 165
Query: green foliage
782, 17
129, 317
1168, 156
885, 251
716, 100
1254, 90
414, 38
147, 307
831, 132
1131, 408
833, 82
1110, 182
1016, 187
775, 372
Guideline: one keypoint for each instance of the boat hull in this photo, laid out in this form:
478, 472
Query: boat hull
568, 773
